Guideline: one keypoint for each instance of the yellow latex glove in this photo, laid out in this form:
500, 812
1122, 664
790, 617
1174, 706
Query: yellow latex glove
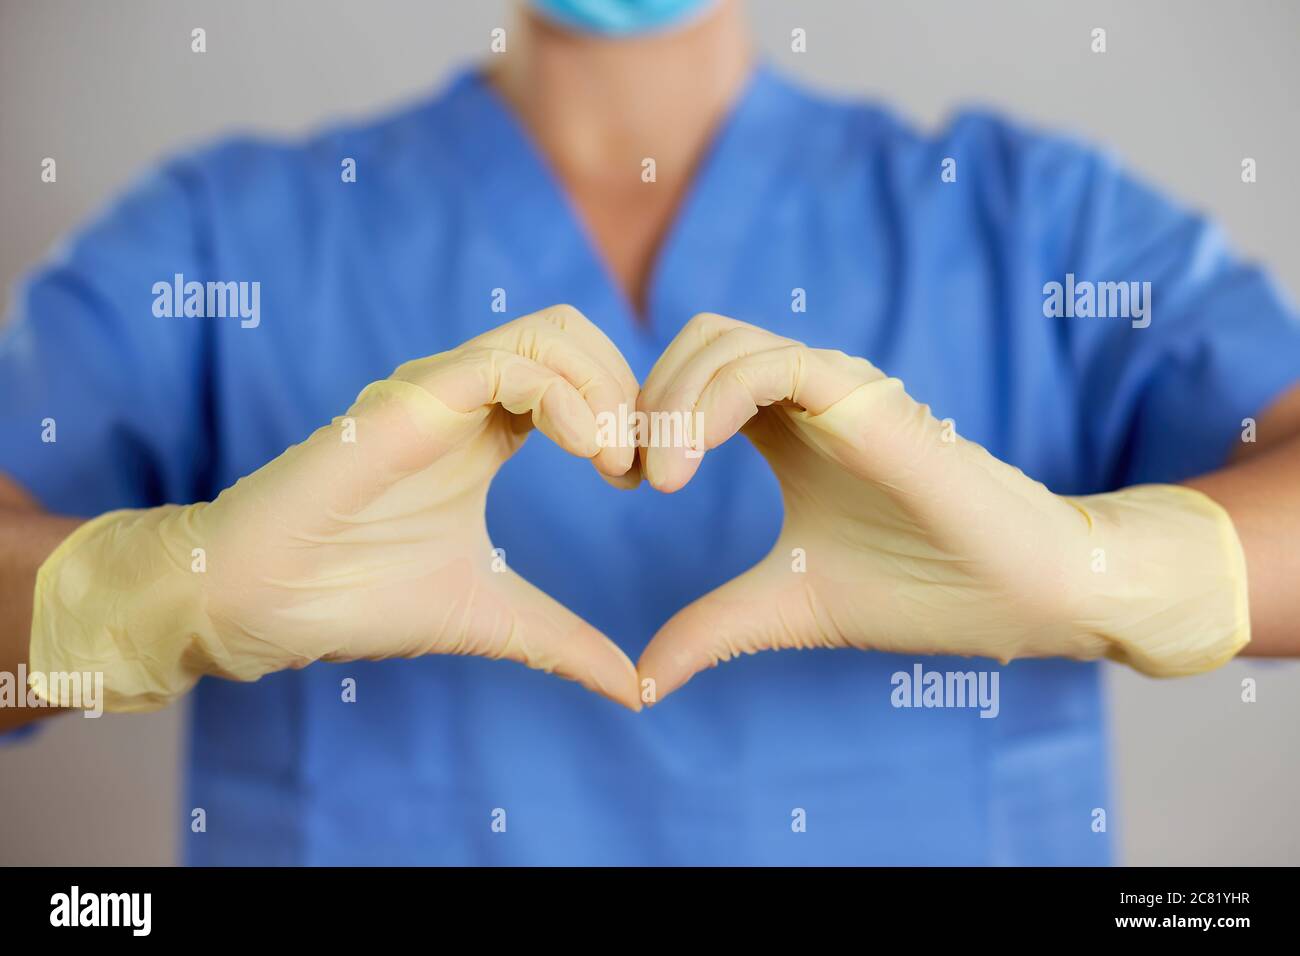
918, 541
368, 540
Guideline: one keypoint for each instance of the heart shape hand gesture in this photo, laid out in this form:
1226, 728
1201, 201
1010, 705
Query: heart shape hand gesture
368, 540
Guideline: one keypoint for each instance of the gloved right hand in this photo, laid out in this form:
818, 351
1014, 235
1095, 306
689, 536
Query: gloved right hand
901, 535
368, 540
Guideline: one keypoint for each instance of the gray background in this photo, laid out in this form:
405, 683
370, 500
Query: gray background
1185, 91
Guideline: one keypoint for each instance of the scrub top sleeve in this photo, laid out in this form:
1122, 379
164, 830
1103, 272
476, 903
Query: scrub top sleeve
1165, 396
102, 401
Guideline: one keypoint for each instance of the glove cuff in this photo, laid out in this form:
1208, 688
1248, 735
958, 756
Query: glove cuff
1170, 597
122, 596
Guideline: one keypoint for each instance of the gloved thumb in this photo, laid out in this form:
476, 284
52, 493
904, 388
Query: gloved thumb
762, 609
529, 626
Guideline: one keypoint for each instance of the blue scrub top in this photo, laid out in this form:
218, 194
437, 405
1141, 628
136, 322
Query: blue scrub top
454, 211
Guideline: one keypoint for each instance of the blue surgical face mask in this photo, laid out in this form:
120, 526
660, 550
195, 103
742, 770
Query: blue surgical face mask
620, 17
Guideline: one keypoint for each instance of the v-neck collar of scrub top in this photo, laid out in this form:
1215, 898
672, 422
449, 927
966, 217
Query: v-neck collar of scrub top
538, 222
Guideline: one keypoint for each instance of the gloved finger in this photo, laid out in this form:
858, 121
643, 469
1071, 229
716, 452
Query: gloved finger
763, 609
558, 409
671, 464
627, 481
699, 332
609, 400
700, 368
473, 378
725, 384
562, 339
571, 321
538, 631
811, 379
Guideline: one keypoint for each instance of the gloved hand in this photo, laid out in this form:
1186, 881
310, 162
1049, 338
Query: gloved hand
918, 541
368, 540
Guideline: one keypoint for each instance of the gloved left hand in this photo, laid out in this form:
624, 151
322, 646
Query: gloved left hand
902, 536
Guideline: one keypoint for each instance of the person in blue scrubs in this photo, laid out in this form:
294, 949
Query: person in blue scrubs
475, 207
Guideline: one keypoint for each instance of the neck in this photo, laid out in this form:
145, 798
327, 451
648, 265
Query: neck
597, 107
